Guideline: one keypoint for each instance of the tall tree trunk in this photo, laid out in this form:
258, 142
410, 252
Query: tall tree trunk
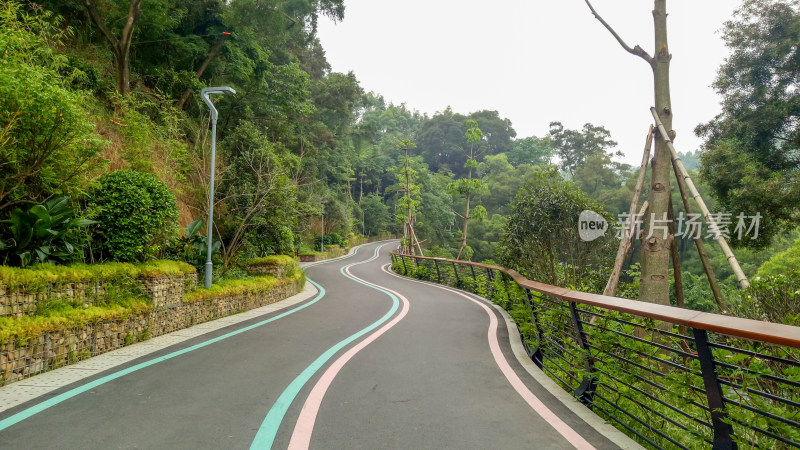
122, 45
656, 249
464, 230
466, 211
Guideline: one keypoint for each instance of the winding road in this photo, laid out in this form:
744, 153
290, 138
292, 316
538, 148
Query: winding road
367, 360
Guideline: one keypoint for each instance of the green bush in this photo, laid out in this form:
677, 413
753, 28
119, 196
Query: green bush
48, 145
137, 215
783, 263
43, 233
540, 239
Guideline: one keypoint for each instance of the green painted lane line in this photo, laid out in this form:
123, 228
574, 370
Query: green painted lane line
39, 407
269, 428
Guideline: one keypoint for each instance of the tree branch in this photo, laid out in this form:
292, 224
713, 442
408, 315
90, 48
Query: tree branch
101, 24
636, 51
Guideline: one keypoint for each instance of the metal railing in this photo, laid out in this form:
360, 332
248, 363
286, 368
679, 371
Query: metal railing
667, 376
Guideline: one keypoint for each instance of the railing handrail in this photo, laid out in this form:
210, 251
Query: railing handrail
756, 330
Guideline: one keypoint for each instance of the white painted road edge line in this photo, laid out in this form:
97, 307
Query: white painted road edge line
30, 388
593, 420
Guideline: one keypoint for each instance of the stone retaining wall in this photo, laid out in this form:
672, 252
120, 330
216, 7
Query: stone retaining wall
275, 270
22, 359
163, 291
334, 252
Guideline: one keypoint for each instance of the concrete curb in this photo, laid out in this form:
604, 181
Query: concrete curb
515, 340
593, 420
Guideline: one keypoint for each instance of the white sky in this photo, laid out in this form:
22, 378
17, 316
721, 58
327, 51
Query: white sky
534, 61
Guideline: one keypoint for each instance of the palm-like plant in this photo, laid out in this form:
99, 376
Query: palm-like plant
42, 232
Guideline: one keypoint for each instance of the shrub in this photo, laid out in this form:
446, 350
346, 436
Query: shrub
47, 142
43, 234
541, 238
137, 215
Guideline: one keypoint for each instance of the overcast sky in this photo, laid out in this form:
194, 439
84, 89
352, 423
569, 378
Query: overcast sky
534, 61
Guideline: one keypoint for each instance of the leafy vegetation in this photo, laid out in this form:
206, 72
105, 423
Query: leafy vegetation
64, 316
540, 239
43, 233
36, 277
253, 285
752, 147
136, 214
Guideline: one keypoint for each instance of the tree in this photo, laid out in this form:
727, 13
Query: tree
467, 187
47, 142
409, 202
376, 215
656, 249
121, 46
531, 150
752, 148
573, 147
255, 190
540, 239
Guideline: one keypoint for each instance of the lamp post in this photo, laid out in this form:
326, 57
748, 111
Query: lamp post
322, 239
204, 94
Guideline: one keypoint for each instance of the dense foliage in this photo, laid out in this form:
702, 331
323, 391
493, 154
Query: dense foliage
136, 215
752, 150
304, 152
540, 239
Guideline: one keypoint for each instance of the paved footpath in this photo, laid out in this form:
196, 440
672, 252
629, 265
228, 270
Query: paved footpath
364, 360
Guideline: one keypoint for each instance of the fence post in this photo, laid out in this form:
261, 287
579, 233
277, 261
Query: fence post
585, 391
438, 274
405, 269
490, 283
535, 355
723, 431
455, 271
505, 283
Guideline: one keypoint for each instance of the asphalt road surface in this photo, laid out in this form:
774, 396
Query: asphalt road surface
372, 361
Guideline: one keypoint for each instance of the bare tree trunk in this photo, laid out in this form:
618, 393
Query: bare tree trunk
122, 45
656, 248
464, 229
466, 211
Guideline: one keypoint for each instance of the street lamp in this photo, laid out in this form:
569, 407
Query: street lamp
322, 240
205, 92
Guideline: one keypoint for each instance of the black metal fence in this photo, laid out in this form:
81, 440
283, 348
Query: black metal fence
669, 377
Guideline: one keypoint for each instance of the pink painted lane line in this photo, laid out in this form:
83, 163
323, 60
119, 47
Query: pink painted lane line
533, 401
301, 437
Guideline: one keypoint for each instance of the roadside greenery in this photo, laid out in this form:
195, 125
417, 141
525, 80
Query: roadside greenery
136, 215
655, 391
304, 152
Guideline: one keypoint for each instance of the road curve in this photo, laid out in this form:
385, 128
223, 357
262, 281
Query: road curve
373, 361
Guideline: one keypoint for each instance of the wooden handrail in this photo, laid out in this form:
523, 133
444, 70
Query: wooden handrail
755, 330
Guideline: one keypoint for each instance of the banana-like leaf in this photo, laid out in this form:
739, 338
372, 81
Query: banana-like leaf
194, 228
76, 223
